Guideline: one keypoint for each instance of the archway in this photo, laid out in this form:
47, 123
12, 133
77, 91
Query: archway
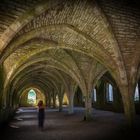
108, 96
31, 96
31, 99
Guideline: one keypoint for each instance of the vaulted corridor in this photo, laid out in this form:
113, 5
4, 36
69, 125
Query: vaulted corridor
70, 54
61, 126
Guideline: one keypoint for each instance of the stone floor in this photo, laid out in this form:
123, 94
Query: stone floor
61, 126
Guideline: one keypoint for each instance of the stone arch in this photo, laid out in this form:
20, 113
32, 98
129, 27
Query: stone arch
39, 96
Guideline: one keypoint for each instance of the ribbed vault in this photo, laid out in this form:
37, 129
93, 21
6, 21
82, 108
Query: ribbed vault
59, 45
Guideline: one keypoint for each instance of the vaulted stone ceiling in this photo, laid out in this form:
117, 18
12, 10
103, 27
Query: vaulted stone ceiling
47, 43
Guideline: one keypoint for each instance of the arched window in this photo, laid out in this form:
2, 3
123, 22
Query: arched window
109, 92
136, 96
94, 96
31, 97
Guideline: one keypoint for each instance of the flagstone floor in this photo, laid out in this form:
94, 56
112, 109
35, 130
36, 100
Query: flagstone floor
61, 126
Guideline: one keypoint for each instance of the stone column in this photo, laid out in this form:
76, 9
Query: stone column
49, 100
54, 100
70, 97
2, 103
128, 102
88, 107
60, 106
60, 102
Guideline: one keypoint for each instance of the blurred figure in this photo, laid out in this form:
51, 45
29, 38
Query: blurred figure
41, 114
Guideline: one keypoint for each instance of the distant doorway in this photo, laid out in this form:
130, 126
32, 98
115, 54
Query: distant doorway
31, 97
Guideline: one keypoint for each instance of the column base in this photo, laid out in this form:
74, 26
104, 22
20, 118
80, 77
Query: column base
88, 117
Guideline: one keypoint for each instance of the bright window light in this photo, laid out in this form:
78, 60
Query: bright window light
32, 97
